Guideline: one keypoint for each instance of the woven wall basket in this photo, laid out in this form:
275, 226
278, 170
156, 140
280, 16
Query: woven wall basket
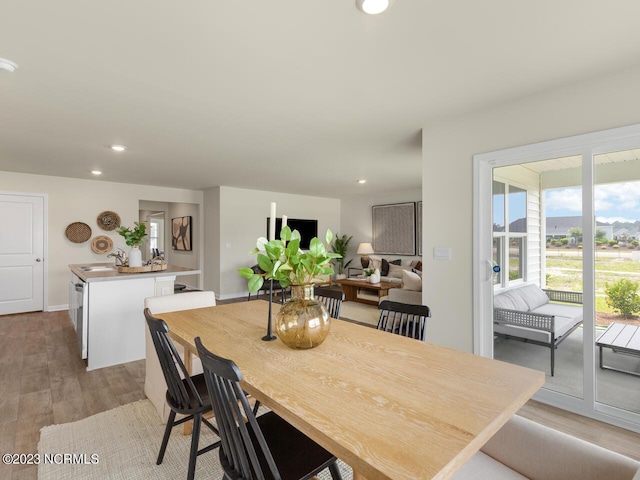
78, 232
108, 220
101, 244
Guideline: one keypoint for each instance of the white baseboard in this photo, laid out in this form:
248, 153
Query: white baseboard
228, 296
57, 308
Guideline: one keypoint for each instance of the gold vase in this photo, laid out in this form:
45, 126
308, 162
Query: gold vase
303, 322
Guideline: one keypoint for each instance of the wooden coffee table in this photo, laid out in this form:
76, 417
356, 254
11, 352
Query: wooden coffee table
350, 288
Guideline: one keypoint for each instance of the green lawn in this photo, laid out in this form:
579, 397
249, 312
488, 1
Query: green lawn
565, 273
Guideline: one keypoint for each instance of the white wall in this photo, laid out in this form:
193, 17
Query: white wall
356, 217
211, 246
447, 182
243, 219
77, 200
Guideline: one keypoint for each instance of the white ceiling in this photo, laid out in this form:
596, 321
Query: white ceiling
289, 95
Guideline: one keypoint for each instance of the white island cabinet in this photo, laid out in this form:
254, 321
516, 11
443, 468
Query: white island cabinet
113, 316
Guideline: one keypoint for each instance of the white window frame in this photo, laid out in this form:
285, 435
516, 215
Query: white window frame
587, 145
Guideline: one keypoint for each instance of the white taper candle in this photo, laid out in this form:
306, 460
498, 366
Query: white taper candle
272, 222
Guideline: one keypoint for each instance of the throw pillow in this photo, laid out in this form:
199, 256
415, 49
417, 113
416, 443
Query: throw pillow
398, 261
411, 281
533, 296
395, 271
418, 266
384, 271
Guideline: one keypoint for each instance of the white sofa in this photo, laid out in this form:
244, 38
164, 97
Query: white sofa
525, 449
155, 386
402, 295
529, 314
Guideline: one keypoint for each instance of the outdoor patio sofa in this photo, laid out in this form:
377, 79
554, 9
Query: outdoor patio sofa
525, 449
526, 313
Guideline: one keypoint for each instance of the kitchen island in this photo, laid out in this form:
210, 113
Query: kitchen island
106, 308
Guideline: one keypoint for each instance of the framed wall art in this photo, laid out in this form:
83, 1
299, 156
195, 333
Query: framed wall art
181, 233
394, 228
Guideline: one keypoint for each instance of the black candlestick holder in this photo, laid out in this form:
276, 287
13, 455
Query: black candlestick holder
269, 336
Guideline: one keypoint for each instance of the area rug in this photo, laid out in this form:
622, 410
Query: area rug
125, 441
360, 313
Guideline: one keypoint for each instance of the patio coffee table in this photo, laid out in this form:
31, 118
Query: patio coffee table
620, 338
350, 288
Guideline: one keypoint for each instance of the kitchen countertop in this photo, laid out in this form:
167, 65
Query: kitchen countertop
107, 275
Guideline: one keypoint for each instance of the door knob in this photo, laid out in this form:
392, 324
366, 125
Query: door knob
38, 260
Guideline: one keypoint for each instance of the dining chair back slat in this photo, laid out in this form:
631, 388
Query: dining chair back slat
247, 441
331, 298
186, 395
404, 319
172, 366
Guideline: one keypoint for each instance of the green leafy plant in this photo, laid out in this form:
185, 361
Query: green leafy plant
133, 236
340, 246
369, 271
284, 261
623, 297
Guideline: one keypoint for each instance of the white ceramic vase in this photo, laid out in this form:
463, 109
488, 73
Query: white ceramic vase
135, 257
340, 276
375, 276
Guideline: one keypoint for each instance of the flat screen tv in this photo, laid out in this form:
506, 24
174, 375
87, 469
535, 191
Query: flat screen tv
307, 228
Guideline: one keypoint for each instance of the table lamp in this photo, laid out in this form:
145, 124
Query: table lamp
364, 249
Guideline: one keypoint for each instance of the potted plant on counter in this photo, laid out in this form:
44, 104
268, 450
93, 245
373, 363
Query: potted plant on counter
134, 237
340, 246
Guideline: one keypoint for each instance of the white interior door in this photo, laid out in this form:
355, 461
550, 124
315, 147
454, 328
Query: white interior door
21, 253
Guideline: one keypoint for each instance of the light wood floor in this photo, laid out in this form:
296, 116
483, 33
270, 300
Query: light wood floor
44, 382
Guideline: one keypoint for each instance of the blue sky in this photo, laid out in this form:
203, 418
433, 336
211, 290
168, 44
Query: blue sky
613, 202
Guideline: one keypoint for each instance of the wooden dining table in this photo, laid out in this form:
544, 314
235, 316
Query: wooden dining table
391, 407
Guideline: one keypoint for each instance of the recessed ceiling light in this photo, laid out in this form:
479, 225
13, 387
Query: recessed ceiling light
96, 172
373, 7
118, 148
8, 65
362, 181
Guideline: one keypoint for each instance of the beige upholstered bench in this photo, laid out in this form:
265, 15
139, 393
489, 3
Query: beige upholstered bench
525, 449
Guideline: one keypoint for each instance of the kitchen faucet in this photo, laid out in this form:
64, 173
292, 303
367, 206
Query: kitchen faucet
120, 256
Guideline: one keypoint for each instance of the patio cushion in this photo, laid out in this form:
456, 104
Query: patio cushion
518, 302
566, 316
533, 296
503, 301
523, 332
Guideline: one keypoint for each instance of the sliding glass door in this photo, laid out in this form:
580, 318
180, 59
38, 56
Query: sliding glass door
564, 216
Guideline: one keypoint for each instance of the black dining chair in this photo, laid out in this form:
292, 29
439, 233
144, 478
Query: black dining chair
186, 395
404, 319
266, 447
269, 285
331, 298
